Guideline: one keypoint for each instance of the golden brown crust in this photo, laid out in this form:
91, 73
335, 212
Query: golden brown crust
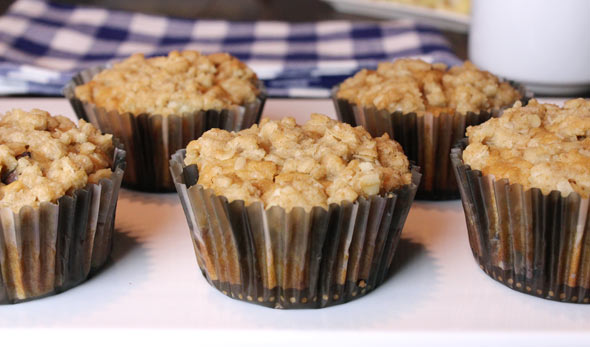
44, 157
410, 85
182, 82
538, 146
281, 163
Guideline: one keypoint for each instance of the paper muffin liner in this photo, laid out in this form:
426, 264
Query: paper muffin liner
532, 242
151, 139
50, 249
426, 139
293, 259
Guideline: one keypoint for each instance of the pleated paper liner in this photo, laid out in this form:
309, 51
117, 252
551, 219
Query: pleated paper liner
532, 242
293, 259
426, 139
151, 139
50, 249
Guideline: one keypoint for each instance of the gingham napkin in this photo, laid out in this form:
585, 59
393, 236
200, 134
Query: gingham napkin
42, 44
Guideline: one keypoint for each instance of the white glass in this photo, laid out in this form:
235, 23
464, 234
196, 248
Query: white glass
544, 44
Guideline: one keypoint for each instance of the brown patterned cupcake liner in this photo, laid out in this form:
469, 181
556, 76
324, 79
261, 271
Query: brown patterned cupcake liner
532, 242
293, 259
426, 139
151, 139
50, 249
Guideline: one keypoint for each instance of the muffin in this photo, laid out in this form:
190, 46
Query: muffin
525, 185
426, 108
158, 105
290, 216
58, 193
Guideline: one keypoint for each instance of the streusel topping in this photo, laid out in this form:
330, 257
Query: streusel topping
182, 82
43, 157
281, 163
538, 146
410, 85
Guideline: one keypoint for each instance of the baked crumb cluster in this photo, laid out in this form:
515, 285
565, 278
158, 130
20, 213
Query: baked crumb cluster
43, 157
284, 164
538, 146
410, 85
182, 82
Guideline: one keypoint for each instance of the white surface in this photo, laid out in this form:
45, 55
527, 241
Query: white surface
383, 9
541, 43
153, 293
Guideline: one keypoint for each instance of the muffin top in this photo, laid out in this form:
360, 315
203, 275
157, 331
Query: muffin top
182, 82
538, 146
43, 157
283, 164
410, 85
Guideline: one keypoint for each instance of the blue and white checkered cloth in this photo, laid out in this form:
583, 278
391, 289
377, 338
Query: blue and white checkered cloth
42, 44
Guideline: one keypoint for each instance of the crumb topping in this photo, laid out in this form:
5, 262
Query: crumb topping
411, 85
43, 157
182, 82
284, 164
538, 146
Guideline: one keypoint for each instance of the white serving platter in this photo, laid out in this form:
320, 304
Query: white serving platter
152, 292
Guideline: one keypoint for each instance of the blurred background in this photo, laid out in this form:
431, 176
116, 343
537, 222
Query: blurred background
541, 43
248, 10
